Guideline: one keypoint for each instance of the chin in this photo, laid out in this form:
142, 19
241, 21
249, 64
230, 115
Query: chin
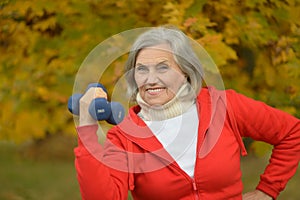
156, 103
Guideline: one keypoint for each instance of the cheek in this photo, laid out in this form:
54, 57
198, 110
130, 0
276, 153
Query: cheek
138, 80
174, 80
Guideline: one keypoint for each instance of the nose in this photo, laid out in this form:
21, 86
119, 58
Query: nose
152, 77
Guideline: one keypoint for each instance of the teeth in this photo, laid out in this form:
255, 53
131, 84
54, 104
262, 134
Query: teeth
155, 90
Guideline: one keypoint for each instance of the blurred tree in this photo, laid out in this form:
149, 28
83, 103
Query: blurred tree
254, 43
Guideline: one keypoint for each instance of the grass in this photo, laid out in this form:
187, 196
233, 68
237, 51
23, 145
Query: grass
23, 179
51, 179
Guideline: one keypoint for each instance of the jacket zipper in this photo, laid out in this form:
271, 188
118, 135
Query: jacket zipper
191, 180
195, 189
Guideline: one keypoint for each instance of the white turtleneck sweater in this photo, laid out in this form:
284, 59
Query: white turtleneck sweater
175, 125
178, 136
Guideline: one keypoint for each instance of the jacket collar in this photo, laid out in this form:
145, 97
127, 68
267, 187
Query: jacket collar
134, 128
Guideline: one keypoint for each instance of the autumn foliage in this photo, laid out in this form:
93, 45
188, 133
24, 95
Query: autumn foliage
254, 43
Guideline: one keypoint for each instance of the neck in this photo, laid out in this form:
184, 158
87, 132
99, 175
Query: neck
183, 100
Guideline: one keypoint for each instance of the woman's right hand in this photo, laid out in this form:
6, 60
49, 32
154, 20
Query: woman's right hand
84, 116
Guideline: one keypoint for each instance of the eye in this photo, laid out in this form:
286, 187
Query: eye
141, 69
162, 68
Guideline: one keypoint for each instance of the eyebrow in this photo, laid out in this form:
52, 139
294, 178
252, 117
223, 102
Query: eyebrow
161, 62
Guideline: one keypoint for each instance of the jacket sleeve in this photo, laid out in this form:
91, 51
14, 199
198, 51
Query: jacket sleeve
97, 174
261, 122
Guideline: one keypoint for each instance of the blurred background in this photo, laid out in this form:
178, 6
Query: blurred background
254, 43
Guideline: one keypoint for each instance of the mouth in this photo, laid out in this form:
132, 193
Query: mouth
156, 90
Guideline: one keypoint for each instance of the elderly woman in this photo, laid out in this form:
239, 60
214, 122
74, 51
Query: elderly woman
180, 141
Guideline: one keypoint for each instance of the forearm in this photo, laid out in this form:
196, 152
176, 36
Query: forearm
96, 180
264, 123
283, 165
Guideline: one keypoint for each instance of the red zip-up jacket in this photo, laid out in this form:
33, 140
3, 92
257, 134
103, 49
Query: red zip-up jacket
133, 159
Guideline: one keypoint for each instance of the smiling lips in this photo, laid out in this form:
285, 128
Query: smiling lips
155, 91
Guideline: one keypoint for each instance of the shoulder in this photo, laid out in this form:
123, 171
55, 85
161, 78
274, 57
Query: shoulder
211, 93
131, 123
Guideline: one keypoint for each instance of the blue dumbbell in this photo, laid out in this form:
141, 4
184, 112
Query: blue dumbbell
73, 102
100, 108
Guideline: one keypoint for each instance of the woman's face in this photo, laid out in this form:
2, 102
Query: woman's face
157, 75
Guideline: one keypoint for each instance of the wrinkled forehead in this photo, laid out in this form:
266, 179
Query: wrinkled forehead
154, 54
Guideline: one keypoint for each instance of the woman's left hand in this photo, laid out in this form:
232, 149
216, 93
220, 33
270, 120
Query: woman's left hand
256, 195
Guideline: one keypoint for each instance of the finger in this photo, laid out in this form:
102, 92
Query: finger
99, 93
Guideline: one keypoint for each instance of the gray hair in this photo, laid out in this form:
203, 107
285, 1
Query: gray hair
182, 50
